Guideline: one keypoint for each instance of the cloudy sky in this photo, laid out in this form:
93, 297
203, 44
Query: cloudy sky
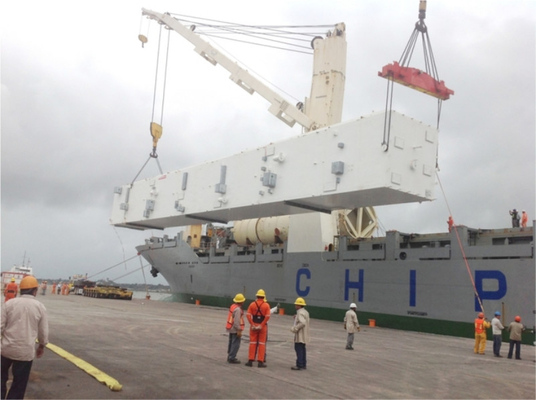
77, 92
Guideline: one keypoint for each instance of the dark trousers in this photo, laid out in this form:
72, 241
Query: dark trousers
21, 374
234, 346
301, 355
518, 348
497, 344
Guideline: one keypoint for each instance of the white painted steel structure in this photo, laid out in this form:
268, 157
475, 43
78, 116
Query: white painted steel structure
339, 167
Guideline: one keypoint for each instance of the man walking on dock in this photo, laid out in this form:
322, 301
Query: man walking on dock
351, 324
235, 326
258, 315
24, 320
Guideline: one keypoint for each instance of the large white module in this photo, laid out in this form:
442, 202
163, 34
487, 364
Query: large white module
339, 167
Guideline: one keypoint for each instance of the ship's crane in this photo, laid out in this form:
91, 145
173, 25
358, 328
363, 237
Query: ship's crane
332, 166
323, 107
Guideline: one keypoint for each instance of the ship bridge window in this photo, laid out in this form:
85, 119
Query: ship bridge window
377, 246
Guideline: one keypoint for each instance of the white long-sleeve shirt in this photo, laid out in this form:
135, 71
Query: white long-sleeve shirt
24, 319
496, 326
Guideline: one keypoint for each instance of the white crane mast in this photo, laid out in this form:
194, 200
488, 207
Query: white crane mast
279, 107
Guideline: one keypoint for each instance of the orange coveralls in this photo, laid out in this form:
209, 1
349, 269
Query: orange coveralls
11, 291
258, 315
54, 286
480, 335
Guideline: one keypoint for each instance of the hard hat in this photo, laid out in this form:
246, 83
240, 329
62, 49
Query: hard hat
300, 302
12, 279
497, 313
480, 315
353, 305
239, 298
28, 282
517, 318
261, 293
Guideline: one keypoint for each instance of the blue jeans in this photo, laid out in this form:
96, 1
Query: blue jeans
21, 374
234, 346
497, 344
301, 355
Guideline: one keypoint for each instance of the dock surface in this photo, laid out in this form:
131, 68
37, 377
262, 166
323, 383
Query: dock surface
162, 350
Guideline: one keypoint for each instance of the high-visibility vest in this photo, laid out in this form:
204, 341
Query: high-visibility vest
479, 326
230, 318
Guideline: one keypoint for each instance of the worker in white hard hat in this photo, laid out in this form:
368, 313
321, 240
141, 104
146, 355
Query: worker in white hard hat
301, 334
351, 324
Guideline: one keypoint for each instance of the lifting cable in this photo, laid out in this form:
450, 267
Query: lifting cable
461, 246
154, 127
113, 266
427, 82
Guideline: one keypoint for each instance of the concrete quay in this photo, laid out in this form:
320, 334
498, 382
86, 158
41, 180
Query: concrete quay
161, 350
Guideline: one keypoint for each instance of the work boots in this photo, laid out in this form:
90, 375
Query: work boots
261, 365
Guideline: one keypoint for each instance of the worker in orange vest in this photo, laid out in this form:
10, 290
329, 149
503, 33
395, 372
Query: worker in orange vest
54, 285
235, 327
258, 315
481, 324
11, 290
524, 219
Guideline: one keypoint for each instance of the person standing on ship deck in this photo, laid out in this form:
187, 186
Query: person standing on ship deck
258, 315
515, 218
24, 320
481, 324
235, 326
497, 328
524, 219
301, 334
351, 324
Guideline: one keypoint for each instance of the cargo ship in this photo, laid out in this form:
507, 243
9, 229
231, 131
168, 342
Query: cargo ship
326, 249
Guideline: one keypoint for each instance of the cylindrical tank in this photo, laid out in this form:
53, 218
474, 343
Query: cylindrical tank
269, 230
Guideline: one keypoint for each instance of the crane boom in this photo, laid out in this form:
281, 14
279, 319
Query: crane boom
279, 107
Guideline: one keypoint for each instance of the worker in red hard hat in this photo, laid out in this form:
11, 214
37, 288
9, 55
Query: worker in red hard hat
481, 324
258, 315
11, 289
24, 321
515, 328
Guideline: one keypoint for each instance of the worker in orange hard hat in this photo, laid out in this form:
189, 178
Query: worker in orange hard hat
481, 324
258, 315
11, 289
24, 322
235, 327
515, 329
524, 219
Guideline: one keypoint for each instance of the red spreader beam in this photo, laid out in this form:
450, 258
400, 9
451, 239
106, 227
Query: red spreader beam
416, 79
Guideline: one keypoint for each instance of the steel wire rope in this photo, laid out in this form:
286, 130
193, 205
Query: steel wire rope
256, 73
113, 266
144, 279
461, 245
263, 45
131, 272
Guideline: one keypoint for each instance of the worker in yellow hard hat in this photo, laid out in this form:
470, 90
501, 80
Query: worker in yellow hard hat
258, 315
235, 327
24, 321
10, 292
301, 334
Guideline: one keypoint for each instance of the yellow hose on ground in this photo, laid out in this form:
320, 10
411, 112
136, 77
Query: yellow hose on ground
90, 369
